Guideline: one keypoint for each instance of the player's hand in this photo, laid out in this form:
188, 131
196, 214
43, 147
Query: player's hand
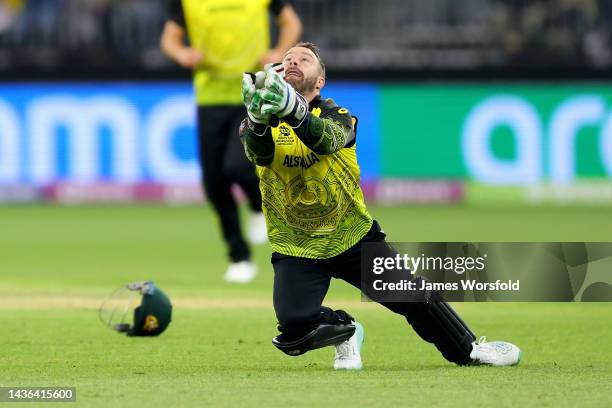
282, 100
250, 83
271, 57
251, 96
278, 95
189, 57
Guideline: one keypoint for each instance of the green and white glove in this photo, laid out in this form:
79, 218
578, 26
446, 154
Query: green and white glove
279, 68
251, 97
282, 100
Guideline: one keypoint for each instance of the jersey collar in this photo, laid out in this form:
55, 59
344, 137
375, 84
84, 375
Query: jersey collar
315, 102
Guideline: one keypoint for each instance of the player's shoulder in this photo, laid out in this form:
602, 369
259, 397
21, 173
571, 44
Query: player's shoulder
329, 106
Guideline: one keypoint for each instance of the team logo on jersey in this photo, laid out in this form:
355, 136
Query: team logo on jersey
284, 138
284, 130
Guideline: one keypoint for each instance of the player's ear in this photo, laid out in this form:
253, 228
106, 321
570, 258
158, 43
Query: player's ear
320, 83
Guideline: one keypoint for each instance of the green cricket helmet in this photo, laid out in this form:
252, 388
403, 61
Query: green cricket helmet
150, 318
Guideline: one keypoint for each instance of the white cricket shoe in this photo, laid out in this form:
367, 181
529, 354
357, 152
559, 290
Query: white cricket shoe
495, 353
241, 272
348, 353
257, 231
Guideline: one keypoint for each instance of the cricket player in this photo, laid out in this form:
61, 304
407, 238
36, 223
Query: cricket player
226, 38
304, 147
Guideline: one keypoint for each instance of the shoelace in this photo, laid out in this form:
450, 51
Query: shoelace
344, 349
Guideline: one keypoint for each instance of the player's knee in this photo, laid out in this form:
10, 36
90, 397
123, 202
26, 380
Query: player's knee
295, 325
300, 322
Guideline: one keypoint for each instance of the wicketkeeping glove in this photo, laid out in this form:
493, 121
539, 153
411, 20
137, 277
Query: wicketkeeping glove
279, 68
282, 100
251, 97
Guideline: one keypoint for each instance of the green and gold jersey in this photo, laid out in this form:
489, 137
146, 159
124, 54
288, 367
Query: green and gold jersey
232, 35
313, 202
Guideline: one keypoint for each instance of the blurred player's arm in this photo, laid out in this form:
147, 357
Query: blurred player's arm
173, 36
290, 30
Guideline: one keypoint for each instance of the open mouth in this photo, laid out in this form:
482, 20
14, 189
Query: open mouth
294, 72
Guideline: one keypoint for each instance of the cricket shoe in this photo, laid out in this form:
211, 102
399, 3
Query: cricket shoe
241, 272
257, 232
495, 353
348, 353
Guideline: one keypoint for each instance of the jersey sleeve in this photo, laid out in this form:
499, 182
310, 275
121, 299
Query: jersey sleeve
176, 12
257, 142
330, 131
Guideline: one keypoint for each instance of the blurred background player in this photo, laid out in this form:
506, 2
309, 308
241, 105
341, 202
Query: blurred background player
318, 220
227, 38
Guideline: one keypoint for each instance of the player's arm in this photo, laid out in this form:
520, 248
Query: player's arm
172, 41
258, 147
290, 30
329, 132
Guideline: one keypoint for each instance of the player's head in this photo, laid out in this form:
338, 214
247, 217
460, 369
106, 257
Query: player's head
304, 69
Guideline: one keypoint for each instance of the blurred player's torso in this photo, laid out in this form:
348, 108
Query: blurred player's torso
313, 203
232, 35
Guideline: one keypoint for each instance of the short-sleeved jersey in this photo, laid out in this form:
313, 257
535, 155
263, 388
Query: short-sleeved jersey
313, 203
232, 35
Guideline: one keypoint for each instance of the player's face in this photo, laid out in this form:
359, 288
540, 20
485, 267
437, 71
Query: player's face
302, 70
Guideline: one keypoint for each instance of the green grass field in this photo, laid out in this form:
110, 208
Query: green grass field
57, 264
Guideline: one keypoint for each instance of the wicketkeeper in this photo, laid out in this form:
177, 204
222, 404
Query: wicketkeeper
304, 149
